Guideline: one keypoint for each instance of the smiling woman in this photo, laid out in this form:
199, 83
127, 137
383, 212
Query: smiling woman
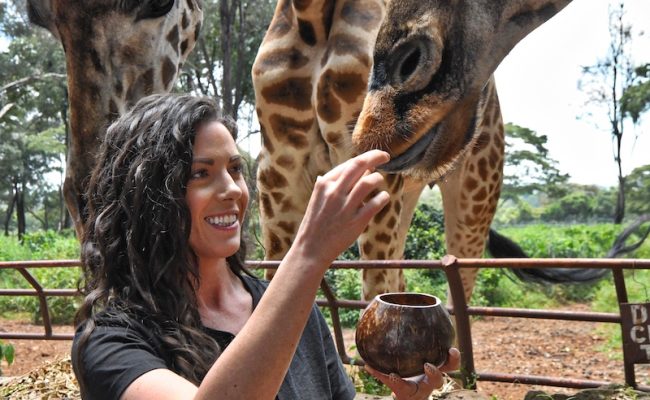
170, 311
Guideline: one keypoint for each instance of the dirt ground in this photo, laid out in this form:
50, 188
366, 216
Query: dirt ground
508, 345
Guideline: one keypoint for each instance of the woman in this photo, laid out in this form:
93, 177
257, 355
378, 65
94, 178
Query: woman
170, 311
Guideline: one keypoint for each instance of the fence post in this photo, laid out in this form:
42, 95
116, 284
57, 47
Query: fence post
463, 330
621, 296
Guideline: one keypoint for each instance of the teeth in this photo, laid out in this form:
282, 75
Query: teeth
223, 220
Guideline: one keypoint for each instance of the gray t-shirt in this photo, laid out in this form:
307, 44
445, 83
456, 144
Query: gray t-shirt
118, 353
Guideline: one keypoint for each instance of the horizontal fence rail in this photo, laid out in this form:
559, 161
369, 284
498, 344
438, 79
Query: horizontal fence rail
461, 311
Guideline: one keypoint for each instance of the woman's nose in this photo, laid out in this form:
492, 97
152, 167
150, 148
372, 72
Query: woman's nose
229, 189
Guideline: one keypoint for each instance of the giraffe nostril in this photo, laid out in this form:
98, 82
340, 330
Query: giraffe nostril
409, 65
413, 63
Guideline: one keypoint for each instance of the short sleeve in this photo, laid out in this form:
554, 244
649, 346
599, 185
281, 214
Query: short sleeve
114, 356
342, 387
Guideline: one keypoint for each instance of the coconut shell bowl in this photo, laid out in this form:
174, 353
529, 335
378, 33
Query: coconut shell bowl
400, 332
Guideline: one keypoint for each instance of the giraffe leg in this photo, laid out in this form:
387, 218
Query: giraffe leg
385, 237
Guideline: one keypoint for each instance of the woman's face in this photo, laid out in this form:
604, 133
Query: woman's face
217, 195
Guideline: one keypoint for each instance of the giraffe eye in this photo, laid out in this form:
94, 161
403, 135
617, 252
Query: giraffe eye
154, 9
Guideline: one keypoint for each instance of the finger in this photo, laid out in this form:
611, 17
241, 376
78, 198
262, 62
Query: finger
453, 361
364, 187
353, 169
372, 206
432, 379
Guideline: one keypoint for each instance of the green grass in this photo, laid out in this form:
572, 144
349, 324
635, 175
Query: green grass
40, 246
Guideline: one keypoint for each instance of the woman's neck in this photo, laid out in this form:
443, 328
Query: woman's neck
224, 303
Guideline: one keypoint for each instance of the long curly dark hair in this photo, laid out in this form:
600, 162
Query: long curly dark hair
137, 262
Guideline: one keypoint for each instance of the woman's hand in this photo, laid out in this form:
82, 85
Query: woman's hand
341, 205
421, 387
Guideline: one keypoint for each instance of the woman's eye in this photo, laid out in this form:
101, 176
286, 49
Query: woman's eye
237, 169
198, 174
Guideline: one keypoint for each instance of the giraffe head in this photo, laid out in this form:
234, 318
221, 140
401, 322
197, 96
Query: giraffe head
117, 51
432, 62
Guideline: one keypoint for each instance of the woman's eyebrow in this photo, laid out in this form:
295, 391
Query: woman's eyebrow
203, 160
236, 157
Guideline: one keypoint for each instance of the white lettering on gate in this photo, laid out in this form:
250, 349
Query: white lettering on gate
639, 314
636, 333
646, 347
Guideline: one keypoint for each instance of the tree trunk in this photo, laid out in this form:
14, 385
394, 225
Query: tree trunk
620, 201
20, 210
226, 18
66, 221
10, 211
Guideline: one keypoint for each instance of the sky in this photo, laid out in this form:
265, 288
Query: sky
538, 89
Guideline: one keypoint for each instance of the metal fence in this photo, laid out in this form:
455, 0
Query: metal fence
460, 310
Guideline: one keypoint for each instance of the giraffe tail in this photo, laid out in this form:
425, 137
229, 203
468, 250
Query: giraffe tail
500, 246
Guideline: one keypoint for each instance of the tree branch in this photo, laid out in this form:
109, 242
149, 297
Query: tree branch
29, 79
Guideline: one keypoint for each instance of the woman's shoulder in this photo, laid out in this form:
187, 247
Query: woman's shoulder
110, 322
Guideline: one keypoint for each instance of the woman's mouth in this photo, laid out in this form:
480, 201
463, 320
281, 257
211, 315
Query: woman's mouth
222, 221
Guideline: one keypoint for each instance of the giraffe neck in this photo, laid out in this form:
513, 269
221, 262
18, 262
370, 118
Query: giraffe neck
116, 53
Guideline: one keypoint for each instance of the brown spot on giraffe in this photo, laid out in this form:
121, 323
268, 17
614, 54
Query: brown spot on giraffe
185, 47
382, 238
286, 162
367, 248
480, 195
288, 227
287, 58
276, 245
185, 22
266, 205
168, 72
173, 37
306, 31
277, 196
291, 131
272, 179
293, 92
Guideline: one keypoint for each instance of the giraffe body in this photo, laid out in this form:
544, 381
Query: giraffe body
116, 53
414, 78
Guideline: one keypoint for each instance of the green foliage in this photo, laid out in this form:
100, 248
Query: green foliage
41, 245
637, 189
368, 384
528, 166
636, 97
564, 241
7, 353
346, 284
32, 127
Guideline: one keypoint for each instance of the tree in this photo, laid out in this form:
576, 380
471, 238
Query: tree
528, 167
221, 62
636, 98
638, 190
605, 84
33, 128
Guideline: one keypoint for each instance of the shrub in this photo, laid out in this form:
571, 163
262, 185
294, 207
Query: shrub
41, 245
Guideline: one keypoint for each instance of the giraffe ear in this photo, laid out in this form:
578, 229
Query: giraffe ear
40, 13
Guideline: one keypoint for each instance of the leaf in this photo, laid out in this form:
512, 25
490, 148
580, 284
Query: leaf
8, 353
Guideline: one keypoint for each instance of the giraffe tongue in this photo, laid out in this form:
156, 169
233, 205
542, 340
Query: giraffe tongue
411, 156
